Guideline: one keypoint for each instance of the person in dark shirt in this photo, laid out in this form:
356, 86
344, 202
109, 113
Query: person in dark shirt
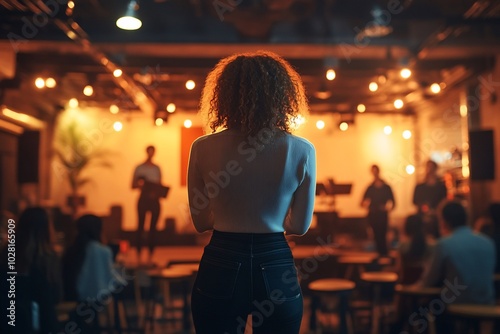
379, 200
427, 197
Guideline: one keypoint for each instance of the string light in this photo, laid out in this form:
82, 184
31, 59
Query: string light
190, 84
343, 126
159, 121
188, 123
373, 86
171, 107
398, 104
361, 108
73, 103
117, 126
387, 129
50, 83
410, 169
405, 73
88, 90
320, 124
435, 88
330, 74
39, 83
406, 134
114, 109
117, 73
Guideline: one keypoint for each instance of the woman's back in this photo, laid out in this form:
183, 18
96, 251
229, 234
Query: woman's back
251, 182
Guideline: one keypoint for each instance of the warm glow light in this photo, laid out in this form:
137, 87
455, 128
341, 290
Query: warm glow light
373, 86
50, 83
23, 118
297, 121
158, 121
190, 84
465, 171
39, 83
382, 79
463, 110
387, 129
406, 134
117, 126
330, 74
405, 73
320, 124
117, 73
410, 169
73, 103
435, 88
171, 107
71, 4
361, 108
343, 126
188, 123
88, 90
114, 109
128, 23
398, 104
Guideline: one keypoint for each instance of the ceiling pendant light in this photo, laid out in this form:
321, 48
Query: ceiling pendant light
129, 21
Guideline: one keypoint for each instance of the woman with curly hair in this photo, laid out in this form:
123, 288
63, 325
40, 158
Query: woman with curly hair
251, 182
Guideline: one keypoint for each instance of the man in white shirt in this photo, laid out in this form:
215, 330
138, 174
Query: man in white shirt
145, 173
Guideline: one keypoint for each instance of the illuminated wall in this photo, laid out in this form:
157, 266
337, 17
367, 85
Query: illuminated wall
346, 156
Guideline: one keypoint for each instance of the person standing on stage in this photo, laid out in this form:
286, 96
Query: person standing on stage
148, 200
379, 200
427, 197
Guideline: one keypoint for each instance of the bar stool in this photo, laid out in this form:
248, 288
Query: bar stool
473, 315
329, 287
162, 278
416, 296
378, 280
355, 262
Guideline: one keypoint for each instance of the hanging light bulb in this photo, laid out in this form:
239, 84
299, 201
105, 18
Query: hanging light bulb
320, 124
361, 108
171, 107
343, 126
88, 90
130, 21
373, 86
405, 73
188, 123
50, 82
39, 83
398, 104
190, 84
387, 129
435, 88
330, 74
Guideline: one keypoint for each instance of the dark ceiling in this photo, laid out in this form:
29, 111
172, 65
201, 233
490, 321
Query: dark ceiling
441, 40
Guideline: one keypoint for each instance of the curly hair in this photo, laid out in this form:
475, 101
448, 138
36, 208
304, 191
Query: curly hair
252, 91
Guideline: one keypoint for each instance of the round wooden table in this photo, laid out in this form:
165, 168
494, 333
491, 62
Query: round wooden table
473, 315
356, 261
333, 286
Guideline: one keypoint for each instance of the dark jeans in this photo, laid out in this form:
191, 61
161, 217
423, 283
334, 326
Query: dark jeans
378, 221
147, 205
242, 274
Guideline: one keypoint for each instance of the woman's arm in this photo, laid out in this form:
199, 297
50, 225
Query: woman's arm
302, 206
199, 203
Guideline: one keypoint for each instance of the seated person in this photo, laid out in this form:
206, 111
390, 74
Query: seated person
463, 261
38, 278
489, 224
88, 267
413, 252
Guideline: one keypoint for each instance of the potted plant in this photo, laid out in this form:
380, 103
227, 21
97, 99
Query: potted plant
76, 153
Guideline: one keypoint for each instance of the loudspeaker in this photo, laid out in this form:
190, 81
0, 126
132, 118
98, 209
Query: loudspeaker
28, 157
482, 155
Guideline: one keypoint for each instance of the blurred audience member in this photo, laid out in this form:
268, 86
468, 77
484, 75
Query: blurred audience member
38, 278
88, 267
415, 251
463, 261
428, 195
379, 200
489, 224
